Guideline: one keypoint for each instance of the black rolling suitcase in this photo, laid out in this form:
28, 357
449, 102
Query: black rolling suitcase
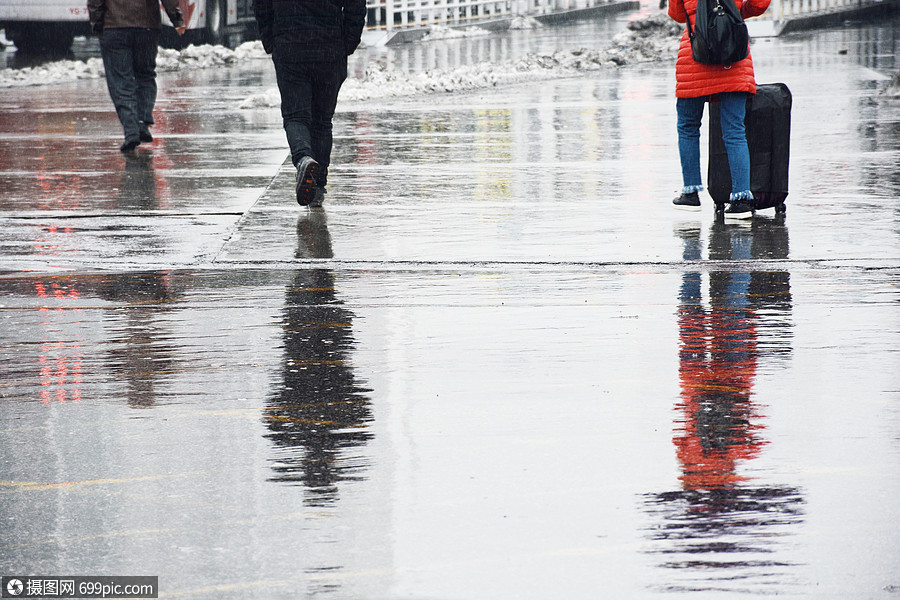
768, 125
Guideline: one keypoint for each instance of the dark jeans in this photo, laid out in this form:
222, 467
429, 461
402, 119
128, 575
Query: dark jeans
309, 92
129, 58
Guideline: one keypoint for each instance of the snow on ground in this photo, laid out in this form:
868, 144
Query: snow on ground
192, 57
650, 39
205, 56
440, 32
55, 72
524, 22
893, 89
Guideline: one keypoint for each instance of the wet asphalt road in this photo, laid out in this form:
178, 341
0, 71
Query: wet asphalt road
495, 365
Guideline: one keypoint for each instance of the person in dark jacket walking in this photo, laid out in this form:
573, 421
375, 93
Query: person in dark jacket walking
129, 37
309, 41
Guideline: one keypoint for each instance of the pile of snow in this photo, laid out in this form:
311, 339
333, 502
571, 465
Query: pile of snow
192, 57
650, 39
893, 88
55, 72
524, 22
439, 32
267, 99
206, 56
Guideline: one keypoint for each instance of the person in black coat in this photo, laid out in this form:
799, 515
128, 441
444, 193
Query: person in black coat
309, 41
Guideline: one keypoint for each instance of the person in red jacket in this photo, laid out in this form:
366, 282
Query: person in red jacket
696, 84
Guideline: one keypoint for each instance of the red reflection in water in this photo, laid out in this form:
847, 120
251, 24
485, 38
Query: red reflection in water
720, 533
60, 367
74, 164
717, 368
60, 361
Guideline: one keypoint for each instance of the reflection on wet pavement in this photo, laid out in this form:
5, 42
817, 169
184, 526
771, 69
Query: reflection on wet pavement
720, 531
319, 412
494, 365
140, 353
139, 184
423, 400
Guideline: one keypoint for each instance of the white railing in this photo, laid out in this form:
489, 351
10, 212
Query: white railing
785, 9
387, 15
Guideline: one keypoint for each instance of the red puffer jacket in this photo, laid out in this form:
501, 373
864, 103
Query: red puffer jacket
693, 79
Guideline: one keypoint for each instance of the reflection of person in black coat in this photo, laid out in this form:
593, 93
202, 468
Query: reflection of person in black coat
319, 413
138, 185
719, 519
138, 350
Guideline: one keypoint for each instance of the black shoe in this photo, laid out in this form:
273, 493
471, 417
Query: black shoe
319, 198
307, 172
739, 209
145, 134
129, 146
690, 201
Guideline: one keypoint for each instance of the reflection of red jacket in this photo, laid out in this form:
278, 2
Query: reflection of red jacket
693, 79
717, 368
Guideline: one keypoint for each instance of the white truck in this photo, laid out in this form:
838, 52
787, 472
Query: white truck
34, 25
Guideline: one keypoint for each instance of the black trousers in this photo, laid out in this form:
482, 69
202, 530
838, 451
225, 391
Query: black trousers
309, 92
129, 59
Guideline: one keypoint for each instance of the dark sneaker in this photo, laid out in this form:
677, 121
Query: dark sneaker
145, 134
307, 172
739, 209
129, 146
319, 198
689, 201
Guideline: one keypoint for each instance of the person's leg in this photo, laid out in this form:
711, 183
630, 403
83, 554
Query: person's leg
145, 49
733, 110
296, 90
296, 86
115, 49
690, 115
327, 81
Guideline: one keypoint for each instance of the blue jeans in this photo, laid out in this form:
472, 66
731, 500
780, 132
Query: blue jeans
690, 113
309, 92
129, 59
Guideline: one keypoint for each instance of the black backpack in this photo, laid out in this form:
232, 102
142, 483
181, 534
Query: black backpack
719, 35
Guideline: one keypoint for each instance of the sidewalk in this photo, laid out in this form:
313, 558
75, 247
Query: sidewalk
496, 364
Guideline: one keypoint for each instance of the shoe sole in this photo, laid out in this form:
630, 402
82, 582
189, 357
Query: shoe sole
306, 184
742, 216
687, 208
